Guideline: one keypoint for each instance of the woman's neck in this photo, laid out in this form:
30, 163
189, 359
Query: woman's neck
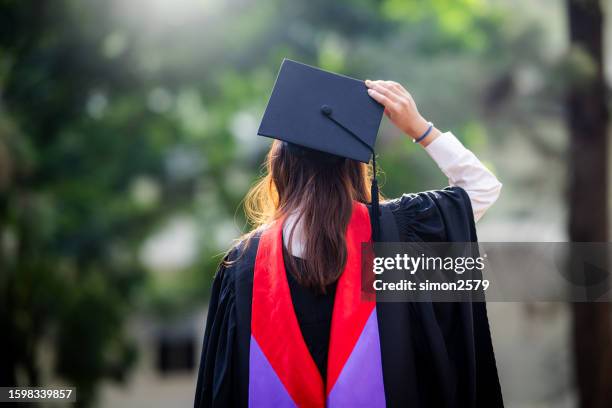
296, 246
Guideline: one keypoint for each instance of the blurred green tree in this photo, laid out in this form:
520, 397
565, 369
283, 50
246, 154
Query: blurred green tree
69, 223
76, 137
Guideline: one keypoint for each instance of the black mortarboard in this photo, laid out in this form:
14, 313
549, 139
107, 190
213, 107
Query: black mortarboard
327, 112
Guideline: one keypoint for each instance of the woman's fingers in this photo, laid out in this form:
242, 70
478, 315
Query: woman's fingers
383, 88
380, 98
399, 106
396, 88
385, 96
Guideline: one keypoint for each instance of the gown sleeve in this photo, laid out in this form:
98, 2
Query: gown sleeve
434, 216
456, 360
217, 365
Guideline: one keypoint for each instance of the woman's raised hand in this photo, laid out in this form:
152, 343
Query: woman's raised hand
401, 109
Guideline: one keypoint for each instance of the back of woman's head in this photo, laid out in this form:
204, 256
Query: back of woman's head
319, 190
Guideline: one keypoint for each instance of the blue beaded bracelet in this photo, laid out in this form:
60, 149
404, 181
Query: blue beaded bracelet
424, 135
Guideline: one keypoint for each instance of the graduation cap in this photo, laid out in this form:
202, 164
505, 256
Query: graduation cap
316, 110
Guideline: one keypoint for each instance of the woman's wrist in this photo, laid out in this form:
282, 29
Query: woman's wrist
419, 128
433, 135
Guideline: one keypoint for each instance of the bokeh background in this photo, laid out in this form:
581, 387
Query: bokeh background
128, 140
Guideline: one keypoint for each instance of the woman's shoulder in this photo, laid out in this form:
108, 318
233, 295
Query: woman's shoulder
239, 259
425, 202
421, 216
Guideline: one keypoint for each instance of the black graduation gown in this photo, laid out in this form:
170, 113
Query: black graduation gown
433, 354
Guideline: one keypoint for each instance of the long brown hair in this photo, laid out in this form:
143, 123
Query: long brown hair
321, 194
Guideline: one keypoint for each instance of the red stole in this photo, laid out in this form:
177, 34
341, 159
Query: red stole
274, 324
